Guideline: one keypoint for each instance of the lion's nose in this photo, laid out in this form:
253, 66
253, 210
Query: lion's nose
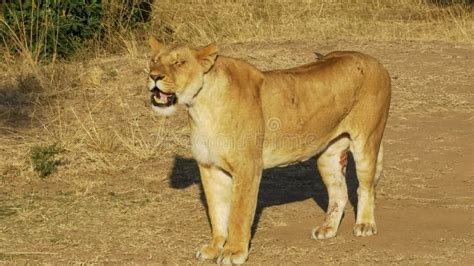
156, 77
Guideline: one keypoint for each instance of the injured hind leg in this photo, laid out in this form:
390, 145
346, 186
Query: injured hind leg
332, 167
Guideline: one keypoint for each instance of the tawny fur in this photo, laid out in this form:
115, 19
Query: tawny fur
244, 120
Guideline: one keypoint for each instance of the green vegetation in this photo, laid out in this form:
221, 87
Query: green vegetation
43, 159
50, 29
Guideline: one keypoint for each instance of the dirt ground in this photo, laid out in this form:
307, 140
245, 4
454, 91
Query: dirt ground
151, 210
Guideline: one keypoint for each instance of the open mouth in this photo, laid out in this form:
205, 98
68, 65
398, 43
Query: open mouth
162, 99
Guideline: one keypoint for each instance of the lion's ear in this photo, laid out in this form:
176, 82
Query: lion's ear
155, 44
206, 56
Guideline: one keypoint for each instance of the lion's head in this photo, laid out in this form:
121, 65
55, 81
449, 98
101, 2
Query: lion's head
177, 73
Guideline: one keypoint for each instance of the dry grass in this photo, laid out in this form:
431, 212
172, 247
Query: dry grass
110, 199
234, 21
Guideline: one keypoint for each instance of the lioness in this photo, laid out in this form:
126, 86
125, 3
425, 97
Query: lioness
244, 120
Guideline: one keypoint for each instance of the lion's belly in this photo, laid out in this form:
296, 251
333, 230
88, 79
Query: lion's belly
299, 135
288, 150
279, 159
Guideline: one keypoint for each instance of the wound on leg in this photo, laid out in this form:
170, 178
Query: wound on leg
343, 162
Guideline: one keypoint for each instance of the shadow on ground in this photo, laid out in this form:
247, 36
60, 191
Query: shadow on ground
16, 100
278, 186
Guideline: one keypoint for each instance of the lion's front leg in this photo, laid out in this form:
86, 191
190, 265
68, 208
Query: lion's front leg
218, 189
244, 201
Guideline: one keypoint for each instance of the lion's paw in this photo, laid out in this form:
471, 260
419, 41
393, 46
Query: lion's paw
229, 257
365, 229
208, 252
323, 232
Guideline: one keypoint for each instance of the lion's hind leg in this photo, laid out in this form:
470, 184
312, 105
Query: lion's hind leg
332, 167
368, 159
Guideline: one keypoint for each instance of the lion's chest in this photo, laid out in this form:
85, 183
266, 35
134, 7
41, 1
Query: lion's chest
202, 140
201, 148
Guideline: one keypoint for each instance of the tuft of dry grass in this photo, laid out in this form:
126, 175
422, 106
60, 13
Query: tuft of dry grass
136, 140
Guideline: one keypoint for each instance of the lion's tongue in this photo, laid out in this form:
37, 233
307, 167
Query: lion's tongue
163, 98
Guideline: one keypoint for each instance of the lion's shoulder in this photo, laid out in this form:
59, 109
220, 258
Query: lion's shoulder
237, 72
235, 66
